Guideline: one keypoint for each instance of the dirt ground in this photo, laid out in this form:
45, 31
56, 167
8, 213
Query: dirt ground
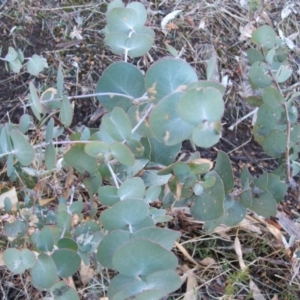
44, 28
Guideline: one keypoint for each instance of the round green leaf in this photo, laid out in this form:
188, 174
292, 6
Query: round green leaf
61, 291
123, 20
109, 244
25, 123
11, 55
124, 214
44, 272
283, 73
23, 150
67, 262
35, 65
275, 143
78, 159
272, 97
108, 195
15, 65
43, 239
50, 156
67, 243
76, 207
114, 4
18, 261
143, 258
168, 75
152, 194
66, 112
207, 134
64, 220
114, 81
264, 204
133, 188
122, 153
161, 236
259, 75
254, 55
264, 36
140, 10
201, 105
209, 205
96, 149
117, 124
234, 214
166, 124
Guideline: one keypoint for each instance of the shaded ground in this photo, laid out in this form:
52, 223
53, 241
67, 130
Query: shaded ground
44, 28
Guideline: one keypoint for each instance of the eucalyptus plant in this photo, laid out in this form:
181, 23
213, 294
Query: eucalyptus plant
131, 163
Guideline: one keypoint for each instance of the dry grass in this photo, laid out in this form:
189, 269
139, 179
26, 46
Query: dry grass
209, 263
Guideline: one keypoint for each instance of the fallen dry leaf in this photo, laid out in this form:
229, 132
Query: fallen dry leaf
191, 284
12, 195
86, 273
256, 294
185, 253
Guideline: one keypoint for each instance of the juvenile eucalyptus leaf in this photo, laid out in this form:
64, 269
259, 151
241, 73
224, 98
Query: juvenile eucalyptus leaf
7, 204
275, 143
67, 262
76, 207
114, 81
152, 194
109, 245
123, 20
97, 149
234, 214
143, 258
136, 147
50, 157
264, 36
117, 124
18, 261
166, 124
15, 65
20, 56
203, 105
64, 220
23, 150
11, 55
133, 188
276, 187
108, 195
207, 134
66, 112
205, 84
49, 131
140, 10
209, 205
254, 55
259, 75
59, 81
78, 159
212, 63
35, 65
160, 80
122, 153
25, 122
283, 74
43, 239
67, 243
44, 272
35, 98
61, 291
161, 236
124, 214
224, 170
163, 154
272, 97
92, 183
114, 4
264, 204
